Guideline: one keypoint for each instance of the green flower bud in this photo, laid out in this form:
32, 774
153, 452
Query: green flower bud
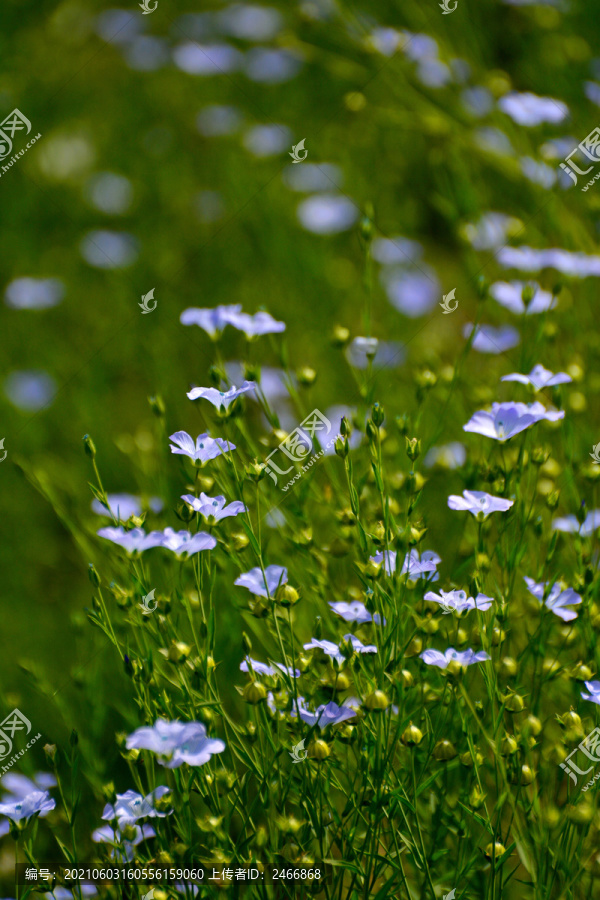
341, 447
508, 745
306, 376
411, 736
377, 701
340, 336
318, 750
443, 751
286, 595
89, 446
413, 448
157, 406
93, 575
254, 692
495, 851
377, 414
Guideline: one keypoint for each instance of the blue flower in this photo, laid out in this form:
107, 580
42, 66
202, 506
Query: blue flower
572, 525
204, 449
324, 715
508, 419
492, 340
539, 378
332, 650
510, 295
34, 293
221, 399
446, 456
479, 503
530, 110
20, 786
123, 506
256, 325
443, 660
355, 612
327, 213
132, 806
213, 509
184, 543
414, 566
594, 689
260, 668
123, 849
134, 541
176, 743
254, 580
23, 808
556, 600
459, 601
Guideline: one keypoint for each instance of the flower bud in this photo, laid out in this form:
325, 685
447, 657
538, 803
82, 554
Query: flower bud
341, 447
255, 471
476, 798
179, 651
50, 752
340, 336
377, 415
495, 851
318, 750
93, 575
406, 678
239, 540
286, 595
254, 692
306, 376
581, 672
508, 667
508, 745
443, 751
411, 736
532, 725
552, 499
377, 701
415, 647
581, 814
413, 448
157, 406
514, 703
89, 446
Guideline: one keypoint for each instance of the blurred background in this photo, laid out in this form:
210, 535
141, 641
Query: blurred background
163, 163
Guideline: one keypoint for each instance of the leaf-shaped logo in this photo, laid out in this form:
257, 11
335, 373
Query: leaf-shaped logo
144, 305
445, 304
297, 753
145, 605
297, 150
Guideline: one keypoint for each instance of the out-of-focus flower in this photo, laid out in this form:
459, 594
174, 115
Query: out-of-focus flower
182, 543
134, 541
213, 509
538, 172
459, 601
594, 691
213, 321
355, 612
123, 851
577, 265
556, 600
510, 295
312, 177
248, 22
414, 565
256, 325
176, 743
443, 660
109, 249
539, 378
206, 59
217, 121
331, 649
414, 293
204, 449
110, 193
478, 502
265, 64
492, 340
383, 354
34, 293
132, 806
327, 213
508, 419
30, 390
123, 506
255, 582
324, 715
572, 525
221, 398
261, 668
396, 250
447, 456
267, 140
530, 110
19, 786
491, 230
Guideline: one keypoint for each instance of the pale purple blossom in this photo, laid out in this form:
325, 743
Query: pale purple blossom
510, 295
447, 456
414, 293
123, 849
539, 378
527, 259
213, 321
34, 293
256, 325
324, 715
260, 668
19, 809
414, 565
459, 600
134, 541
203, 449
508, 419
491, 230
176, 743
556, 600
355, 612
572, 525
443, 660
479, 503
327, 213
332, 650
184, 543
594, 689
255, 581
123, 506
530, 110
492, 340
132, 806
221, 399
213, 509
20, 786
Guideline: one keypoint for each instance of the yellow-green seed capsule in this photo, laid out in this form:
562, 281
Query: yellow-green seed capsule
476, 798
514, 703
319, 750
340, 336
508, 745
581, 814
444, 750
411, 736
254, 692
377, 701
495, 851
532, 725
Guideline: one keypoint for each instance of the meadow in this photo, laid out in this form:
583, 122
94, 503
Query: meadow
299, 451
